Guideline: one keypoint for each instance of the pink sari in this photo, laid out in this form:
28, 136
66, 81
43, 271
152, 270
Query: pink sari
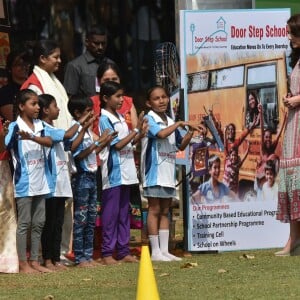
8, 252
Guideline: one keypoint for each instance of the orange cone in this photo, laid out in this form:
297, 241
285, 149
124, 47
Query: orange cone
146, 287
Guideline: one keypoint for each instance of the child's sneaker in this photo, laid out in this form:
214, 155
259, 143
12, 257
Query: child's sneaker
171, 256
159, 257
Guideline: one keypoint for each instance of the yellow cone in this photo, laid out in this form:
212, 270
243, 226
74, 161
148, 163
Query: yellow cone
146, 287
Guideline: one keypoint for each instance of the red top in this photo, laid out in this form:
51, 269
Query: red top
125, 111
32, 80
5, 154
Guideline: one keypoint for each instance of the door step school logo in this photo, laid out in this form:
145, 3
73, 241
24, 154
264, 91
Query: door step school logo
217, 39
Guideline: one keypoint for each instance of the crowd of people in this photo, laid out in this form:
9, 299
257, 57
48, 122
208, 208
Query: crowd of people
67, 148
53, 139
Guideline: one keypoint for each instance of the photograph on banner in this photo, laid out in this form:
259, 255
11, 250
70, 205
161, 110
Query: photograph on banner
234, 75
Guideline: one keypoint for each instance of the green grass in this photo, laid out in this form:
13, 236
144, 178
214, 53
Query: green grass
263, 277
293, 4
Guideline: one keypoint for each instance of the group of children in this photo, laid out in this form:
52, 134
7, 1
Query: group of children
42, 180
213, 190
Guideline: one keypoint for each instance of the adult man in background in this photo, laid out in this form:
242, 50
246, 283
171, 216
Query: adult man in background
80, 74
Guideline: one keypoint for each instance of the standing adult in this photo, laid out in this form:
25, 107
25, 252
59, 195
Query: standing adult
9, 262
46, 58
17, 69
81, 73
289, 171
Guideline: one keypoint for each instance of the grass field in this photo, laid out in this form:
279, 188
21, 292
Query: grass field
293, 4
231, 275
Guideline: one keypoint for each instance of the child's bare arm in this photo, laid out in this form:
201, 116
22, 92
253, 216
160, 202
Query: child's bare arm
246, 154
105, 139
81, 122
84, 127
188, 136
42, 140
133, 136
162, 134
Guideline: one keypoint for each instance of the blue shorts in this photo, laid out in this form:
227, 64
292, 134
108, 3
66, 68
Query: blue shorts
159, 192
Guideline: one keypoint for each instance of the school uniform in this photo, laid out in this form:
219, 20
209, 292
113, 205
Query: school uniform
32, 183
84, 188
55, 206
158, 158
118, 174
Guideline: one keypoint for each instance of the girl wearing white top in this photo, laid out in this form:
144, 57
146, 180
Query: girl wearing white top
55, 206
26, 139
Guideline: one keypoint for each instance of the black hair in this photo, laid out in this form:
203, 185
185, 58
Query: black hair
107, 64
234, 128
11, 59
149, 91
40, 48
23, 96
234, 149
79, 103
96, 29
271, 166
44, 102
108, 89
294, 25
213, 159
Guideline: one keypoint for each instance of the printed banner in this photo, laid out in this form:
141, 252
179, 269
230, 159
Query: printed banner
234, 74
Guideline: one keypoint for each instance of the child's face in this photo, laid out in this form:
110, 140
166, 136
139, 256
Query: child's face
268, 139
270, 177
115, 101
230, 132
202, 132
214, 171
53, 110
233, 157
30, 108
158, 100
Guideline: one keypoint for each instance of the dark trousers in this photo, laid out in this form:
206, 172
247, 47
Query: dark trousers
52, 232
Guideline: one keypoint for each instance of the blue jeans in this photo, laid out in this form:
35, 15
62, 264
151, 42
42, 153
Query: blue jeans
85, 197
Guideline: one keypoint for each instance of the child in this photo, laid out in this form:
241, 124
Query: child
268, 148
270, 187
158, 169
56, 156
25, 139
84, 184
233, 163
118, 175
212, 190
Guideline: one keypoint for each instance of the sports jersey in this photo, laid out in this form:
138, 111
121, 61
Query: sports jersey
118, 167
58, 164
31, 174
89, 163
158, 156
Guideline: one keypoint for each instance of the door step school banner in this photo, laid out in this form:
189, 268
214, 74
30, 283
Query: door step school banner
234, 71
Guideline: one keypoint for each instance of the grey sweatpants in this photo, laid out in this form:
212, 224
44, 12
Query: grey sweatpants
30, 215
